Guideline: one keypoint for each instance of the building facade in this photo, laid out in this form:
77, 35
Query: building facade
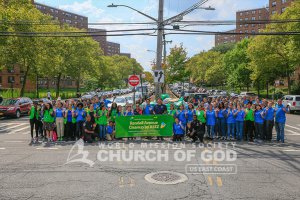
126, 54
63, 16
112, 48
224, 39
245, 22
102, 40
278, 6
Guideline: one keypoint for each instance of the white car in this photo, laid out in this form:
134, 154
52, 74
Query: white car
122, 101
129, 99
293, 101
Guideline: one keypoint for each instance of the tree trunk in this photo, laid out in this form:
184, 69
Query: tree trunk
37, 86
24, 81
77, 84
58, 85
289, 83
258, 89
247, 87
267, 89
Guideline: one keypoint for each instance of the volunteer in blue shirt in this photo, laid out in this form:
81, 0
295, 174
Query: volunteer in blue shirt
178, 130
80, 115
280, 120
59, 120
221, 120
239, 118
70, 126
211, 120
148, 110
182, 116
269, 114
258, 122
230, 122
190, 113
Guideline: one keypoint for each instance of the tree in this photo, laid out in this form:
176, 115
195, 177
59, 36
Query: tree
149, 77
237, 67
176, 62
223, 48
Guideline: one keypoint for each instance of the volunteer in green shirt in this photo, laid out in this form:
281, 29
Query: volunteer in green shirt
33, 120
201, 116
101, 120
249, 122
172, 111
49, 124
113, 112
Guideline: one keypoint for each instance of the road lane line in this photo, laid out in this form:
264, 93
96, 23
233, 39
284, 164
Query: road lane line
291, 150
21, 129
219, 181
293, 132
2, 148
210, 180
6, 124
293, 127
45, 148
14, 141
11, 127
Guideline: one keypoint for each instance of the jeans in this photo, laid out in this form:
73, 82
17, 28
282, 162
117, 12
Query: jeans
102, 132
239, 130
211, 131
269, 129
221, 127
280, 131
259, 130
230, 129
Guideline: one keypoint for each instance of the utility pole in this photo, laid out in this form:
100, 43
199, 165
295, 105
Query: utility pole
160, 29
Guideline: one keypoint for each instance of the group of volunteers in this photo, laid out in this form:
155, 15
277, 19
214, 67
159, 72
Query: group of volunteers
222, 118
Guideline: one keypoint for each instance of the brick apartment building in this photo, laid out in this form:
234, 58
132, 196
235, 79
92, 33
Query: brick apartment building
102, 40
278, 6
112, 48
126, 54
63, 16
224, 39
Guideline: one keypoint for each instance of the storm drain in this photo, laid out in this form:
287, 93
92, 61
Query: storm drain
166, 178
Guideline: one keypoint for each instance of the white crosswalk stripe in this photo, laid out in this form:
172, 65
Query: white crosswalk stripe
6, 124
11, 127
291, 132
21, 129
293, 127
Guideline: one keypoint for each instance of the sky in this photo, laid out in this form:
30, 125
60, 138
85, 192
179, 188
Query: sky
138, 46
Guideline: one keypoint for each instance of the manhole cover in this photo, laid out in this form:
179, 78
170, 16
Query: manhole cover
166, 178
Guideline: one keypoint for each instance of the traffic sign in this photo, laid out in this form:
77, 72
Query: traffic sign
159, 76
134, 80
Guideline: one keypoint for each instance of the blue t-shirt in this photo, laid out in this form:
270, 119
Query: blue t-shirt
148, 109
96, 105
230, 117
182, 117
106, 102
59, 113
110, 129
128, 113
246, 101
190, 115
280, 114
69, 115
210, 118
177, 129
80, 115
257, 117
221, 113
240, 116
269, 114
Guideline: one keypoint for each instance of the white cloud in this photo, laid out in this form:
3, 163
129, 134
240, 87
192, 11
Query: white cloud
85, 8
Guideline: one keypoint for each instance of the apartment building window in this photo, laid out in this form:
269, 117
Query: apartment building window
247, 13
241, 14
241, 25
273, 3
51, 10
68, 15
253, 12
246, 25
69, 21
246, 19
259, 11
21, 79
283, 9
10, 70
241, 19
273, 12
11, 79
253, 31
75, 16
283, 1
259, 17
253, 25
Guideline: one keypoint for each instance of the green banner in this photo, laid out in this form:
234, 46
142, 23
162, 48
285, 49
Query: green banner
144, 125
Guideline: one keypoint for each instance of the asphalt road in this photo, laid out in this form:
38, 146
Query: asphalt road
264, 170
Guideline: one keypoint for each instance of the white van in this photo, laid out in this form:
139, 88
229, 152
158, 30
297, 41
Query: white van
293, 101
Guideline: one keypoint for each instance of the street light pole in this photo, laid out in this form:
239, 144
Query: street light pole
160, 29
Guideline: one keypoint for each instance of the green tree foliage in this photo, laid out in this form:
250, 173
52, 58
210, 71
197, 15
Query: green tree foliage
223, 48
149, 77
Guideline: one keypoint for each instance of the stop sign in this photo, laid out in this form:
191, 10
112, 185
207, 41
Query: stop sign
134, 80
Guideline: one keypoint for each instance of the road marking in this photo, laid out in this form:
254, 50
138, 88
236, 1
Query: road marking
210, 180
11, 127
292, 127
293, 132
2, 148
22, 129
121, 182
219, 181
131, 182
45, 148
291, 150
25, 133
14, 141
5, 124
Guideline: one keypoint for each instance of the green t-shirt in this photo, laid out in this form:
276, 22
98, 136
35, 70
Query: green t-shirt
200, 116
113, 115
249, 115
48, 117
102, 117
34, 113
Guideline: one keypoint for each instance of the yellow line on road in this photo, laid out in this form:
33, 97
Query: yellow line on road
210, 180
219, 181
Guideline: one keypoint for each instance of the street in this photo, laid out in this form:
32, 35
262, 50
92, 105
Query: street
264, 171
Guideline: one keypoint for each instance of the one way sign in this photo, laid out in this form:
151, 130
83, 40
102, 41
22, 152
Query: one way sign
159, 76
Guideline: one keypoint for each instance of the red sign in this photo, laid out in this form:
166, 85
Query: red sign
134, 80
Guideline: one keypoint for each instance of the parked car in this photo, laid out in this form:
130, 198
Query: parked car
129, 99
15, 107
122, 101
248, 94
293, 101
